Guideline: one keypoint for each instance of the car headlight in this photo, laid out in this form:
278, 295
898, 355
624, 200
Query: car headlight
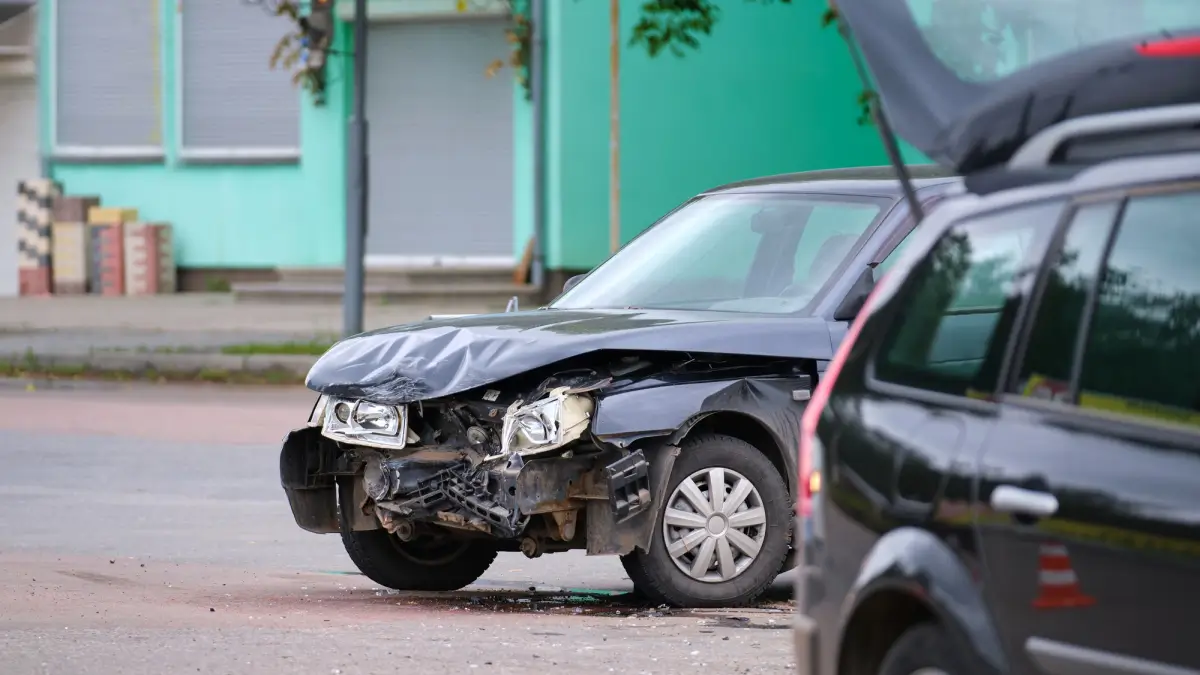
546, 424
365, 423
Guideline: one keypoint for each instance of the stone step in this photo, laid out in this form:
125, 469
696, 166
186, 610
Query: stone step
446, 298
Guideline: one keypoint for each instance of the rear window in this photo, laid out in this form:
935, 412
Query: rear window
1141, 348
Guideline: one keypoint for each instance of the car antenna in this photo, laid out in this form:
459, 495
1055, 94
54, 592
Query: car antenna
886, 134
512, 306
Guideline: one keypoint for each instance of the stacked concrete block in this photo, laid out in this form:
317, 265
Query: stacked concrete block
34, 262
149, 259
107, 238
71, 244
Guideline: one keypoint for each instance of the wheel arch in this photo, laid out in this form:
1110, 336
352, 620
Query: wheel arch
744, 427
911, 576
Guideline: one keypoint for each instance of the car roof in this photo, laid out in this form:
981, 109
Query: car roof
1111, 175
866, 180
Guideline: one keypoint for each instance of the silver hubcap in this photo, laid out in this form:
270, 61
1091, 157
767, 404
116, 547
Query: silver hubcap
714, 525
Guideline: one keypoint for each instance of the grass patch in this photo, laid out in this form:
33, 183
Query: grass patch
313, 348
36, 371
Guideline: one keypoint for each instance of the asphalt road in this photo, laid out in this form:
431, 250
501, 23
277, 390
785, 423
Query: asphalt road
143, 530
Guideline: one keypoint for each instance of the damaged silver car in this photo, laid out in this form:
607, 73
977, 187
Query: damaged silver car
651, 411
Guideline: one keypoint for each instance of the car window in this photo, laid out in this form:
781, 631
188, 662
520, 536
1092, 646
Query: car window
1143, 348
1045, 371
961, 301
929, 206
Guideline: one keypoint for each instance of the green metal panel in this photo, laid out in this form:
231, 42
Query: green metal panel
769, 91
236, 215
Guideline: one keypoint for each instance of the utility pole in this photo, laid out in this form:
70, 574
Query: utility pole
614, 126
357, 183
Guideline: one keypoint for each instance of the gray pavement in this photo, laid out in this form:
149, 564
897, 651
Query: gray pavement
134, 333
186, 319
143, 530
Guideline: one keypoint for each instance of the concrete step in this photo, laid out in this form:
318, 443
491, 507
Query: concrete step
403, 277
445, 298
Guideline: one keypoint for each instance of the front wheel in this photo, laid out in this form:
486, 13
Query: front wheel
427, 563
721, 534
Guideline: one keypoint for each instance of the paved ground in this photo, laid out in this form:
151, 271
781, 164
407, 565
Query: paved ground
74, 324
142, 530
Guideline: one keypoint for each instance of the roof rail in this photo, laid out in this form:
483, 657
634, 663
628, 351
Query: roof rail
1039, 151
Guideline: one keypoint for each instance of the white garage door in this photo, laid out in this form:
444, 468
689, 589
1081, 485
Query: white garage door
18, 161
440, 143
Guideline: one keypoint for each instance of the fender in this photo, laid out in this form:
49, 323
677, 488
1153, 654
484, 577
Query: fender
917, 563
665, 412
672, 410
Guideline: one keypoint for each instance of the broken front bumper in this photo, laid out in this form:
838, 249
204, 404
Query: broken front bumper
436, 485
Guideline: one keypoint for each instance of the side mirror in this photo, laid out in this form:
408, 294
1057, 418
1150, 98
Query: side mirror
571, 283
853, 303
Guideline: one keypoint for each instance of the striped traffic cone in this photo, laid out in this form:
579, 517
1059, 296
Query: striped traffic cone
1057, 582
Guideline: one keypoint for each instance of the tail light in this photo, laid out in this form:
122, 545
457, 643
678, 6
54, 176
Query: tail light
810, 477
1171, 48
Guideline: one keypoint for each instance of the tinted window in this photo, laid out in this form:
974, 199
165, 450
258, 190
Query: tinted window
1143, 347
1054, 336
960, 303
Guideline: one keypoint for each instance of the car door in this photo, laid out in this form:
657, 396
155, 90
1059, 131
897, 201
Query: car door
1090, 480
900, 444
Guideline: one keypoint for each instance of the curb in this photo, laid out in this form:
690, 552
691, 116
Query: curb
296, 365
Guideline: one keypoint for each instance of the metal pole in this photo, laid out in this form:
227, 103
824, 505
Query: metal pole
357, 182
538, 268
614, 127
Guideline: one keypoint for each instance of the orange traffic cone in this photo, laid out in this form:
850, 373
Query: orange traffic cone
1057, 581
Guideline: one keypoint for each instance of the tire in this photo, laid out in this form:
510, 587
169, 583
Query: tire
424, 564
656, 574
924, 649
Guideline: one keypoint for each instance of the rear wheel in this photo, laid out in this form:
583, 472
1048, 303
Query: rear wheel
721, 534
427, 563
924, 649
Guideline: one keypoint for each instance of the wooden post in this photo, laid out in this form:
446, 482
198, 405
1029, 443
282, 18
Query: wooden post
614, 127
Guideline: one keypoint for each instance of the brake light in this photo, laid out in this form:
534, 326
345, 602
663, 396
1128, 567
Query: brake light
809, 485
1171, 48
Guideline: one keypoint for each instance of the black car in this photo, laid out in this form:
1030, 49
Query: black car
999, 468
651, 411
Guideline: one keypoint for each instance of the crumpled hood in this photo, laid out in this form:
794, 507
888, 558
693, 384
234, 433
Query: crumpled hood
436, 358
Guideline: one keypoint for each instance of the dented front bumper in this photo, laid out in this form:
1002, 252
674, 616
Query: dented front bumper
497, 497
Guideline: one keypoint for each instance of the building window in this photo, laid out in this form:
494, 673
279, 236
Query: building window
107, 86
232, 105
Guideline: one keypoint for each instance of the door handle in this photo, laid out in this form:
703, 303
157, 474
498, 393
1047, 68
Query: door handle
1010, 499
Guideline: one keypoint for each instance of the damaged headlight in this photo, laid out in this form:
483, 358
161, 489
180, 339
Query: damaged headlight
365, 423
546, 424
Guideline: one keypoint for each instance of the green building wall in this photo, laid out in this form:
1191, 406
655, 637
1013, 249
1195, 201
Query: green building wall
232, 215
770, 91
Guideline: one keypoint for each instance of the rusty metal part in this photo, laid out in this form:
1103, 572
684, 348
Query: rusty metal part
460, 522
564, 524
529, 546
559, 484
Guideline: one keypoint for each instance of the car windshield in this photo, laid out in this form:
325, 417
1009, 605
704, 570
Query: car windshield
754, 253
982, 41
